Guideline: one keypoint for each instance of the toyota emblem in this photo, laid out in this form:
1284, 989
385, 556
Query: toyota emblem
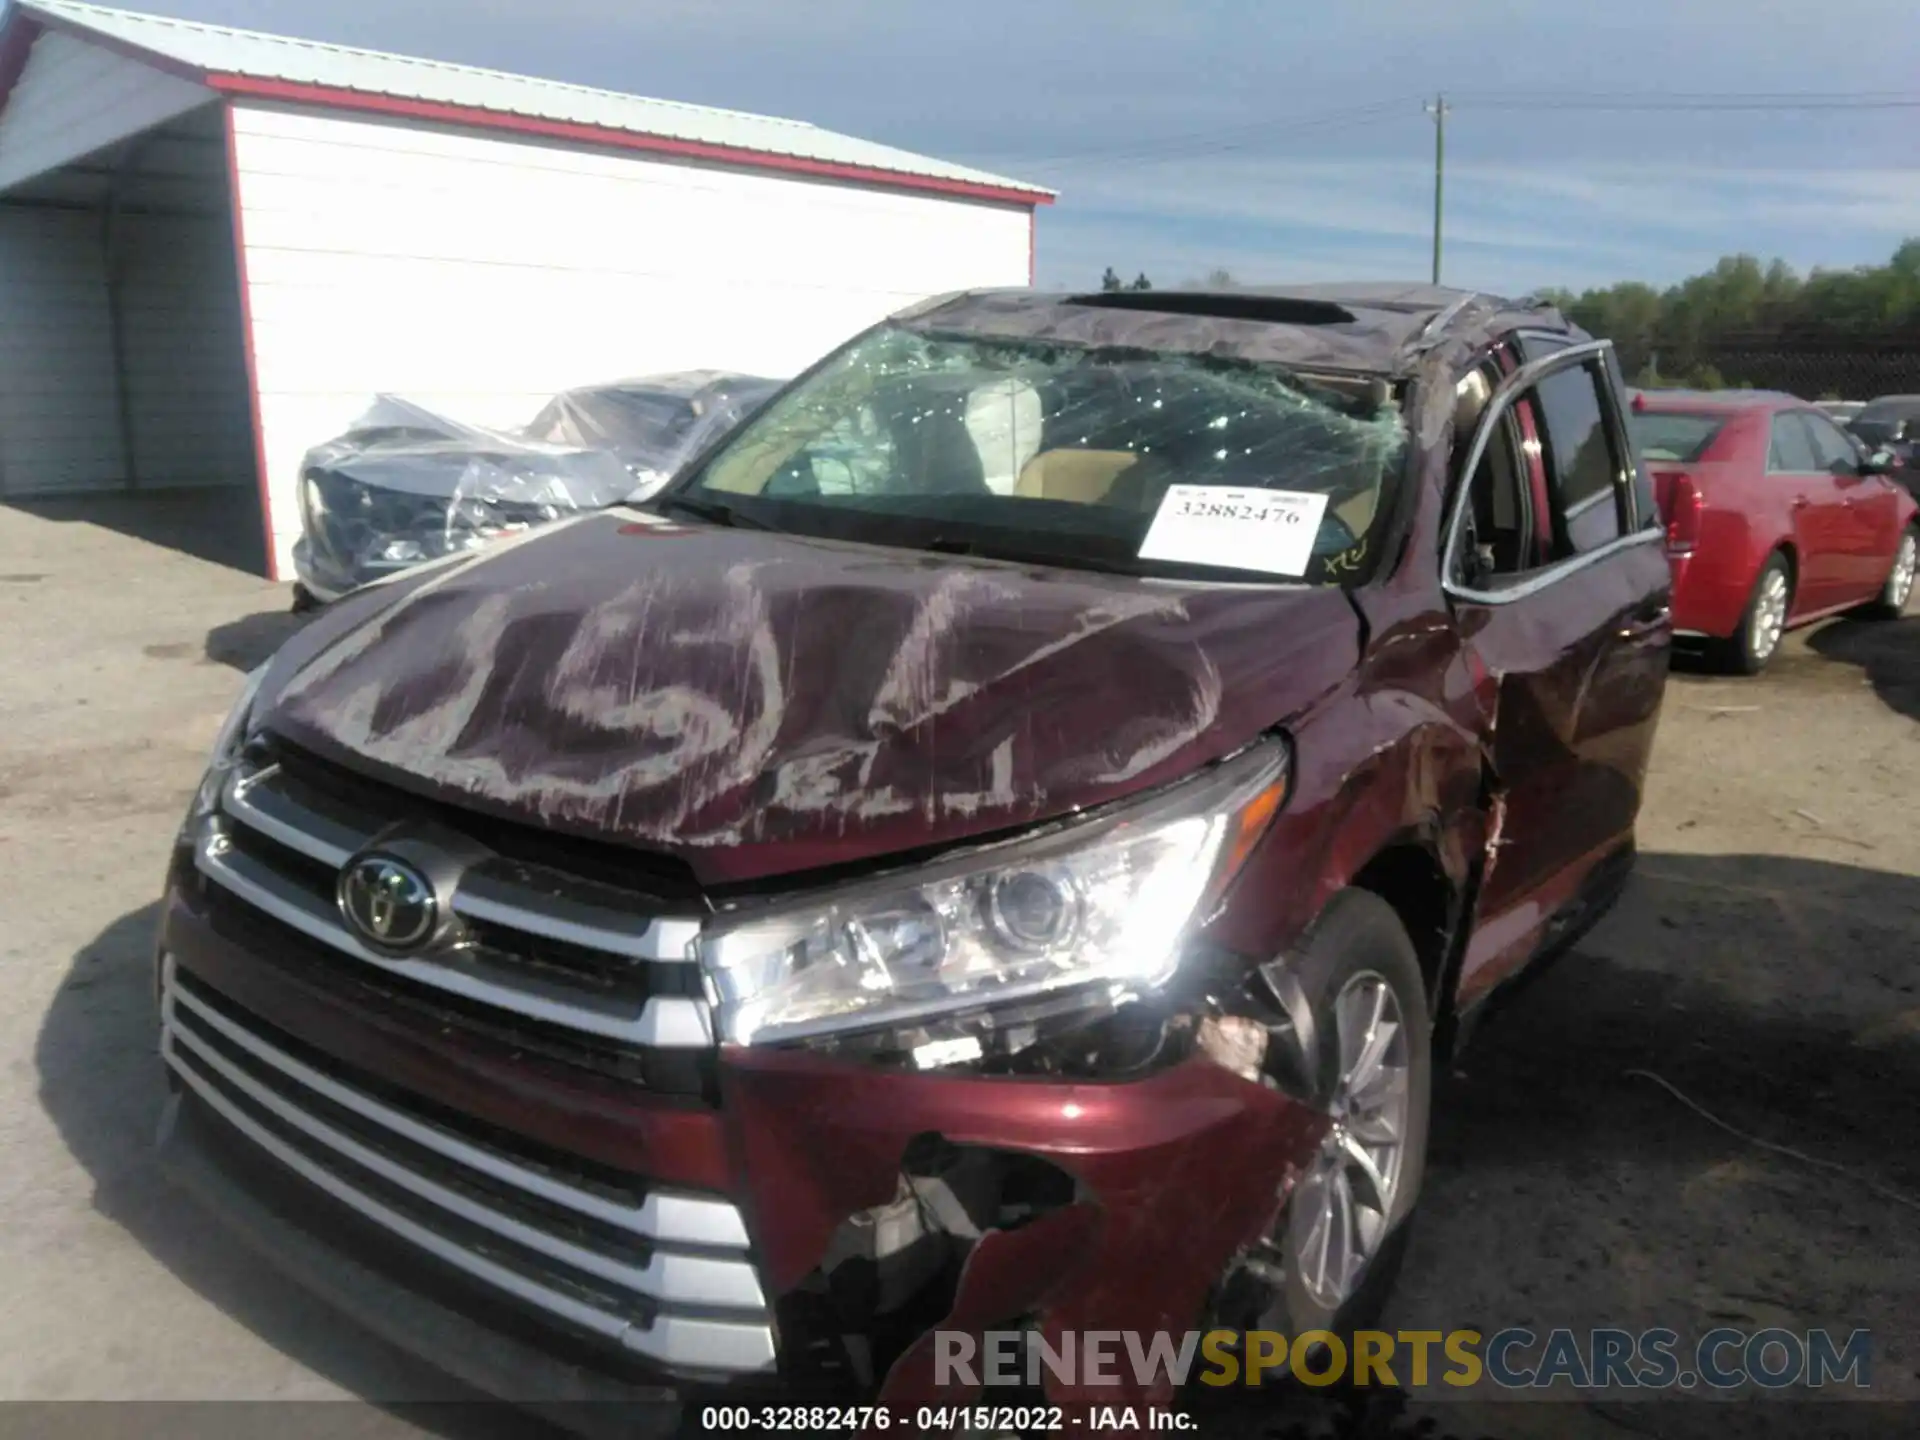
387, 901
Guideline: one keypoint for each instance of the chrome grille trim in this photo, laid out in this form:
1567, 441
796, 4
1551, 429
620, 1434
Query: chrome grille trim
665, 940
675, 1282
253, 798
328, 833
250, 799
672, 1219
668, 1021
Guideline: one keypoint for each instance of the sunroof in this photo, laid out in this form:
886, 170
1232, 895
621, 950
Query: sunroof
1274, 309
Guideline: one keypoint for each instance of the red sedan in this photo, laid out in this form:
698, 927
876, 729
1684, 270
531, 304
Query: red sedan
1775, 518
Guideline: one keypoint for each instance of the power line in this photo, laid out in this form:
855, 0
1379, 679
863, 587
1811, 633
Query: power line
1808, 105
1785, 98
1221, 141
1235, 138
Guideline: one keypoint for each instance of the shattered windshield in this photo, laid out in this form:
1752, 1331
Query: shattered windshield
1139, 461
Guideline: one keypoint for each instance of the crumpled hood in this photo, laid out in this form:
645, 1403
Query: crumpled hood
761, 704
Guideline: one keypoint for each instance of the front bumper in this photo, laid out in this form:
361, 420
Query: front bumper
1169, 1175
327, 578
354, 1268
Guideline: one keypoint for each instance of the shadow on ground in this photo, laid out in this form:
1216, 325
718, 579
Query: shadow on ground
218, 525
1778, 994
1888, 651
101, 1083
252, 639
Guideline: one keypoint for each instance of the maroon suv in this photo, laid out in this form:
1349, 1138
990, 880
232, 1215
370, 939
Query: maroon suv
1003, 840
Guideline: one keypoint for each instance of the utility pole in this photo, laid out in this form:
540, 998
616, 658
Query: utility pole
1438, 109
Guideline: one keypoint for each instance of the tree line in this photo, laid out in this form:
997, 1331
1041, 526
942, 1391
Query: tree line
1691, 332
1746, 323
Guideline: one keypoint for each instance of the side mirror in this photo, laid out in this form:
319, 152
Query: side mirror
1879, 462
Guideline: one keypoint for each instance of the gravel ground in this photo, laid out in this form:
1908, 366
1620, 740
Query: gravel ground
1764, 963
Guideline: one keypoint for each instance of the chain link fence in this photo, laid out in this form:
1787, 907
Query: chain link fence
1814, 368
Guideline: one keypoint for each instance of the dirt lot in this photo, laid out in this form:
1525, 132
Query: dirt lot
1765, 963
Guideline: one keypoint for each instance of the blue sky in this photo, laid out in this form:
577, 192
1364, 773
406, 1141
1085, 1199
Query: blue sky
1281, 140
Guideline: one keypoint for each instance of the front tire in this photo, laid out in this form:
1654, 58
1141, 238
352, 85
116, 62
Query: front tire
1333, 1255
1892, 602
1764, 621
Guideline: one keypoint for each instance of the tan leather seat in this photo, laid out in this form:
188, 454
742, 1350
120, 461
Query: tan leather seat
1081, 476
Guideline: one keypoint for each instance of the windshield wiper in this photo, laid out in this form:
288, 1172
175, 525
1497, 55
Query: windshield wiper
712, 511
1017, 555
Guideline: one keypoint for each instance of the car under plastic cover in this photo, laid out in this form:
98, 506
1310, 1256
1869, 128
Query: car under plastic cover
405, 484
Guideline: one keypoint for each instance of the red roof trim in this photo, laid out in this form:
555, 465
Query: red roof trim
333, 98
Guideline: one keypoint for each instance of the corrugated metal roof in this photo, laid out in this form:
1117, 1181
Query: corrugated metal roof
217, 50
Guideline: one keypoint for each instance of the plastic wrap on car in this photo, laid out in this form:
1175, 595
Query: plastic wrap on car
405, 485
655, 423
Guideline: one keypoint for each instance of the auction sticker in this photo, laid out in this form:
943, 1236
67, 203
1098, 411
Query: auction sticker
1241, 529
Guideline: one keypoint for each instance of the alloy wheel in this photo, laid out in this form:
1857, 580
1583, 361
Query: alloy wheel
1769, 615
1905, 562
1342, 1206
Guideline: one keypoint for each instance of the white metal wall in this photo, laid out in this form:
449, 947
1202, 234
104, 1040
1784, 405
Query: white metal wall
74, 98
479, 273
59, 418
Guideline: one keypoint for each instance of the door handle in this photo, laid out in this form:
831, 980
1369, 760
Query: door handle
1799, 502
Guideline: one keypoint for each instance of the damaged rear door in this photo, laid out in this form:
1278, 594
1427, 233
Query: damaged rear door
1561, 594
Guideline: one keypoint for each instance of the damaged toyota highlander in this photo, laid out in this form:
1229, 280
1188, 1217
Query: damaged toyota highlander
1003, 840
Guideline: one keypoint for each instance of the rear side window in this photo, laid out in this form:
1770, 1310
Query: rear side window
1836, 452
1790, 451
1582, 466
1675, 435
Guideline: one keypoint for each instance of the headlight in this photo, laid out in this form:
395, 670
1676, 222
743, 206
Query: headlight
227, 746
1104, 903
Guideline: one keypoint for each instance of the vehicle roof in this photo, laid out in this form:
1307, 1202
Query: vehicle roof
1882, 404
1366, 327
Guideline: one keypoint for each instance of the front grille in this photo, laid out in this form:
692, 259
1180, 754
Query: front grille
662, 880
686, 1074
660, 1274
534, 947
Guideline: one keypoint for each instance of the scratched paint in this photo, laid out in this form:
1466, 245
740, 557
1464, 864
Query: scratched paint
713, 691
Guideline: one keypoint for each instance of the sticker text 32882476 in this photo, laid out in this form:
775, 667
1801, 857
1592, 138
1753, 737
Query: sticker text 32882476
1240, 528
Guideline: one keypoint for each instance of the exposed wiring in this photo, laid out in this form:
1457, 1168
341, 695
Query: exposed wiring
1886, 1192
